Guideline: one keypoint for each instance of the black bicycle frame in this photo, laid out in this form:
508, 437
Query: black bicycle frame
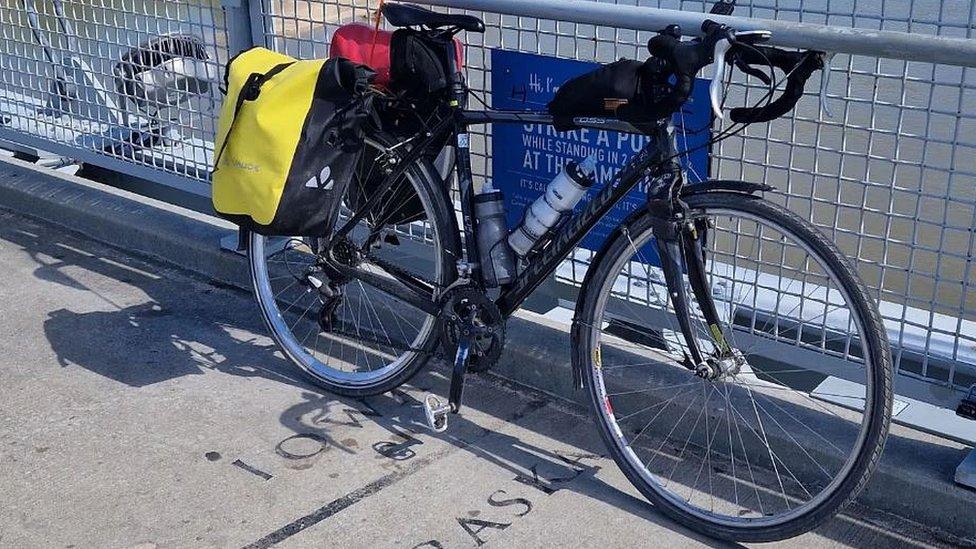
656, 163
654, 160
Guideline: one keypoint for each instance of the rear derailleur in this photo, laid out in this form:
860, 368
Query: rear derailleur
325, 279
473, 330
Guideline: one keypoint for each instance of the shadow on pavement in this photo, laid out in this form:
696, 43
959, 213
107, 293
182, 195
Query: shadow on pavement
167, 332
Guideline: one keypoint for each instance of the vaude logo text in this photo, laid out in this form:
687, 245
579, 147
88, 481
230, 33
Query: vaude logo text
248, 167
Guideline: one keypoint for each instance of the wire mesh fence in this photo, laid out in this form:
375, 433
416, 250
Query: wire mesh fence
890, 175
88, 75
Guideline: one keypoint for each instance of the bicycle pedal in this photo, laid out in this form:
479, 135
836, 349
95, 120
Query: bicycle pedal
435, 412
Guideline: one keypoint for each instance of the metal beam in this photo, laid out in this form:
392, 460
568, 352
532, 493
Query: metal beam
240, 25
890, 44
168, 181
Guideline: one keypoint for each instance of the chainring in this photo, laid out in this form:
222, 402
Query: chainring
486, 348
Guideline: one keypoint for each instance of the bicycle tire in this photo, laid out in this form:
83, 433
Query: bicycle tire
439, 215
590, 316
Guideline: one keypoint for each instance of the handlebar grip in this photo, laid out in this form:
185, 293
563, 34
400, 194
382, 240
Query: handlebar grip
685, 58
672, 58
798, 65
708, 26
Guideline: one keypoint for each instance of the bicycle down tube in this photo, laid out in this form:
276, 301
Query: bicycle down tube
655, 154
657, 163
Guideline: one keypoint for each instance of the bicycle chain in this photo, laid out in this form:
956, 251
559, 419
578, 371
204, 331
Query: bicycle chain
396, 270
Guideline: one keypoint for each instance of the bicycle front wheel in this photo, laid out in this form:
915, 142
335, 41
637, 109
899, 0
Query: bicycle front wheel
792, 429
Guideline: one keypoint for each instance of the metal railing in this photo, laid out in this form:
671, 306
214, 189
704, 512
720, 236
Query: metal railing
63, 88
891, 176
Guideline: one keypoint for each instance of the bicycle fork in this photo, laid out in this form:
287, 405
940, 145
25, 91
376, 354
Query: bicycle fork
679, 242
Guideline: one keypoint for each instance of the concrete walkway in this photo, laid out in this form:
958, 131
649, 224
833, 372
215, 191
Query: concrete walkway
141, 406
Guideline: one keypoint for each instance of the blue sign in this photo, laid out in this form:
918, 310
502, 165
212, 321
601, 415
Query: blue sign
526, 157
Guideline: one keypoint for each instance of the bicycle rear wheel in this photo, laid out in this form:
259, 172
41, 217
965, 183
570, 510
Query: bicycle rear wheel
353, 338
786, 436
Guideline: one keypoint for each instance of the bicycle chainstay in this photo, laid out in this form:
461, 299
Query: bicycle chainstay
402, 346
482, 359
397, 270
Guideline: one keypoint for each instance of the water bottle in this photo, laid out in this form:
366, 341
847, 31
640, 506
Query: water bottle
561, 196
497, 261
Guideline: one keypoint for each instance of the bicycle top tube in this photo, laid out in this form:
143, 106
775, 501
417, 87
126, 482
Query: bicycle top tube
470, 117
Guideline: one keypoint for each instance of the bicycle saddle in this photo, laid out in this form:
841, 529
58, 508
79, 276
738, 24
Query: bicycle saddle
409, 15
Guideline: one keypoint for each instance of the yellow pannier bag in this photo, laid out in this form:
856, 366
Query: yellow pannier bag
289, 136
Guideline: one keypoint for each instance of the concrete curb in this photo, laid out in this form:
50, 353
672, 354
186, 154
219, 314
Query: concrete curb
122, 219
914, 481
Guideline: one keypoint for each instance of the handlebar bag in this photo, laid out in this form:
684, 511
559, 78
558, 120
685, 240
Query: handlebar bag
615, 90
289, 136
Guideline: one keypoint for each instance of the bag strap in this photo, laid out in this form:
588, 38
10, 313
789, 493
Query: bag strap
249, 92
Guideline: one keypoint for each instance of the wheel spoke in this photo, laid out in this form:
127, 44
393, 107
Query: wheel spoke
753, 447
350, 332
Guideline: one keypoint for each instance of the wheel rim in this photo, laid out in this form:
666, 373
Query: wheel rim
375, 336
764, 389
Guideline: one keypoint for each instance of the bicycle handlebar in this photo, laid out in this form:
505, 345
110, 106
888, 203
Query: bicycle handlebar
673, 59
677, 61
797, 65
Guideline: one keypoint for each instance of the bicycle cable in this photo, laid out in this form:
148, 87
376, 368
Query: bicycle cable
733, 130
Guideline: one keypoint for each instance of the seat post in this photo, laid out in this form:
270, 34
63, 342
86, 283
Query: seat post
459, 89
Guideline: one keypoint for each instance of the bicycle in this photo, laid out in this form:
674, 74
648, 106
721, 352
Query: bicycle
690, 358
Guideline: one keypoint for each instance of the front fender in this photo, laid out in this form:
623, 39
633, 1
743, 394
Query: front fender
724, 185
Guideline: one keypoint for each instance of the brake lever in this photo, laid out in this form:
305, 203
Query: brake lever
753, 37
715, 90
824, 82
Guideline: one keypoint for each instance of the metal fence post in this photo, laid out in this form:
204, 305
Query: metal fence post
245, 29
241, 31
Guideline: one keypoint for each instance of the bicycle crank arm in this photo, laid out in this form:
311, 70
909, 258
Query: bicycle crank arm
435, 411
457, 375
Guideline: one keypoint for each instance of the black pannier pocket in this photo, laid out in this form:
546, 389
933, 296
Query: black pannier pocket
421, 68
289, 138
615, 90
420, 73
